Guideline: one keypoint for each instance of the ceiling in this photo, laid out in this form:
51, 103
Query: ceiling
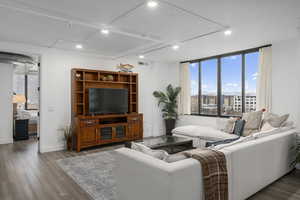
196, 25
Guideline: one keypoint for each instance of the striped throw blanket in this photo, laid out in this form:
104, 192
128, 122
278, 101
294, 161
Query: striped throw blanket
214, 170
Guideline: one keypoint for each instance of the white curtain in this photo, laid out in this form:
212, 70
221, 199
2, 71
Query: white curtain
185, 94
264, 79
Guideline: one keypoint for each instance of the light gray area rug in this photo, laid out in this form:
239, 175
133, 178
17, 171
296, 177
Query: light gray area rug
93, 173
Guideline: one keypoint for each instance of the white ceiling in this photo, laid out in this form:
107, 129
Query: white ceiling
136, 29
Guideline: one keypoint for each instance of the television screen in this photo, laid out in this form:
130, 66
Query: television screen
108, 101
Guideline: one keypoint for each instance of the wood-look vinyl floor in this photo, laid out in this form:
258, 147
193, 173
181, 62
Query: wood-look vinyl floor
28, 175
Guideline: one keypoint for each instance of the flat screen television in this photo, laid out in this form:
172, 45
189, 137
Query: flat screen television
108, 101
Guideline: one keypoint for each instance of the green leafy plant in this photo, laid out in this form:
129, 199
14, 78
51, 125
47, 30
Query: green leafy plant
297, 149
68, 136
168, 101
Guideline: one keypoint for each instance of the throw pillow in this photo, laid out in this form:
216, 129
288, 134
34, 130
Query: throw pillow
266, 127
175, 157
275, 120
253, 122
239, 127
229, 126
159, 154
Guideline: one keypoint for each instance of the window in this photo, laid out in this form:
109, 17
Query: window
231, 83
194, 76
209, 82
251, 71
19, 84
27, 85
224, 85
32, 92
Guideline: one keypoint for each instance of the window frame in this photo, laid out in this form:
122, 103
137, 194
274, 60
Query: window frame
219, 81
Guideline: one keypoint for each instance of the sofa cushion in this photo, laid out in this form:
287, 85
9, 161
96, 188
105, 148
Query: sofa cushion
160, 154
203, 132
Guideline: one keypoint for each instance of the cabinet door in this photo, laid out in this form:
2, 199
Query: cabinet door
88, 135
134, 128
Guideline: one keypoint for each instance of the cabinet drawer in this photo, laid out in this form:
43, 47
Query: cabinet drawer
133, 119
88, 123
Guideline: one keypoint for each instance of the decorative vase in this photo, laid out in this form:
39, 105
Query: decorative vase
110, 78
170, 125
103, 78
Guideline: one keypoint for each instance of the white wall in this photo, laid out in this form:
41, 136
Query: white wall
55, 89
6, 106
286, 79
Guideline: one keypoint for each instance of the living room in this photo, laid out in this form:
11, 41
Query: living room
157, 39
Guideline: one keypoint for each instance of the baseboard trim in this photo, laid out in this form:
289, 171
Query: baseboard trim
51, 148
6, 140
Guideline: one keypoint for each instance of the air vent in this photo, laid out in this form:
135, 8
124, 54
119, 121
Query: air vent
17, 59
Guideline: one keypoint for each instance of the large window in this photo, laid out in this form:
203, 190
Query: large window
224, 85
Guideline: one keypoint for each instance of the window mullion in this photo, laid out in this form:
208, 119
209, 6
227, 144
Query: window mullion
199, 89
26, 90
243, 83
219, 93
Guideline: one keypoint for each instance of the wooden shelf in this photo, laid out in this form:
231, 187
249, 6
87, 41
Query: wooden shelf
110, 82
87, 131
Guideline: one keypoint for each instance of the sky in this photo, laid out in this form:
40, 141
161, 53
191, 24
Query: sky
230, 75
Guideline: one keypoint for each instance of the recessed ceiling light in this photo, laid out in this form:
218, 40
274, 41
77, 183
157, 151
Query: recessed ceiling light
78, 46
152, 4
175, 47
141, 56
227, 32
105, 31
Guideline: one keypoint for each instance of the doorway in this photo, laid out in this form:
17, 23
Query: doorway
26, 104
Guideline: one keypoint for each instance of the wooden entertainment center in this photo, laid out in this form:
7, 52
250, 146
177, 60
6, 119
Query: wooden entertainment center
92, 130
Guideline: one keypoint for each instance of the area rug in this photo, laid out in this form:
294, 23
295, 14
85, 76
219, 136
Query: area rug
93, 173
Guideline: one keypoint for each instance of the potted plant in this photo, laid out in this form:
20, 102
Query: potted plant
296, 161
169, 106
68, 137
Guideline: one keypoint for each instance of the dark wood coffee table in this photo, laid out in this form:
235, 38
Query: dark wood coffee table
171, 144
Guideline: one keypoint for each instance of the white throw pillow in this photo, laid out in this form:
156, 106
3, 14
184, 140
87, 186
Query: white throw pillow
160, 154
202, 132
275, 120
229, 127
266, 127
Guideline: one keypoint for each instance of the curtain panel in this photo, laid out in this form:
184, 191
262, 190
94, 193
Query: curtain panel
185, 94
264, 81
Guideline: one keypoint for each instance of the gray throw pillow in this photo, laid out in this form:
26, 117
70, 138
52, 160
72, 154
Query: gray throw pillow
275, 120
159, 154
239, 127
253, 122
175, 157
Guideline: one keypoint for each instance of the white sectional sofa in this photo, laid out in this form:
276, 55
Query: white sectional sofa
252, 165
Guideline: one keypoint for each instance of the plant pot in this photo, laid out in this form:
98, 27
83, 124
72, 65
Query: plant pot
69, 144
170, 125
